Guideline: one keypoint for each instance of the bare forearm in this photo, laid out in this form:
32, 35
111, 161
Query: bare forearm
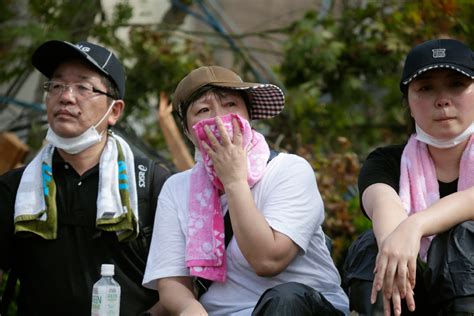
266, 250
446, 213
385, 208
250, 227
177, 296
158, 310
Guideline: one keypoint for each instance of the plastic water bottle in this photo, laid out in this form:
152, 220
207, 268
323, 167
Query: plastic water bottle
106, 294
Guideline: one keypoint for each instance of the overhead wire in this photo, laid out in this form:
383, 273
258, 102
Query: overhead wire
208, 18
39, 107
230, 25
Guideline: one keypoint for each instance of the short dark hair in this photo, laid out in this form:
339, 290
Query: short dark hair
409, 119
111, 88
210, 89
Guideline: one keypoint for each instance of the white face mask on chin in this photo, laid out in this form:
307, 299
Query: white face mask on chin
75, 145
423, 137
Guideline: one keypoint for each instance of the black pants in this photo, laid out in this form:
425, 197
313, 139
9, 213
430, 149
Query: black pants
445, 283
294, 299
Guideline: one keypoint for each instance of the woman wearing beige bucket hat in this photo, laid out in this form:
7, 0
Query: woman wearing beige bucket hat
239, 233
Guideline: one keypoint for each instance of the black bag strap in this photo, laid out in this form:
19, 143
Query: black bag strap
204, 284
144, 174
273, 154
229, 233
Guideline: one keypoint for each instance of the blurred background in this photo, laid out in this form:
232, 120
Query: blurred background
338, 62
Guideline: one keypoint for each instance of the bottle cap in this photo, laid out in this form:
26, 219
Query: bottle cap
107, 269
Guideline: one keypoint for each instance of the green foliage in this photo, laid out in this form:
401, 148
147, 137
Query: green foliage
26, 28
154, 60
157, 64
341, 73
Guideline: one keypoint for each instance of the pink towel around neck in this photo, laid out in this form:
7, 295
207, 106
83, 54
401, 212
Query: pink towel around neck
205, 243
418, 182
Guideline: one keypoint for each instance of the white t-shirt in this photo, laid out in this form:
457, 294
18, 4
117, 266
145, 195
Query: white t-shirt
288, 197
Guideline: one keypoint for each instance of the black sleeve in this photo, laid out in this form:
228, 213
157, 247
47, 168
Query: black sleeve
382, 166
8, 186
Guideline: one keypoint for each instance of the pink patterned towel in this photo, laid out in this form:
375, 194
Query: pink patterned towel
205, 248
418, 182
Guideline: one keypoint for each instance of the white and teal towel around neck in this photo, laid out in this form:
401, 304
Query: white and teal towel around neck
117, 204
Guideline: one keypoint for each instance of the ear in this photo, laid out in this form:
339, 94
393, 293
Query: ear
116, 112
410, 111
190, 137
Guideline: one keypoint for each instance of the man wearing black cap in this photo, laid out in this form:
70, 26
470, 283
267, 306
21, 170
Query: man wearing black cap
77, 204
418, 260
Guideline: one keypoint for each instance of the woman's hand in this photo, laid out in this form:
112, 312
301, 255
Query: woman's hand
395, 268
396, 301
228, 156
165, 109
174, 140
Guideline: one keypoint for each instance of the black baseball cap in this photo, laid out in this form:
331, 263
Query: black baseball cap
437, 53
50, 54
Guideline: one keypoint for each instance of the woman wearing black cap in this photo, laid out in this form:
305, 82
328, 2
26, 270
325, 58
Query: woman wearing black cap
420, 195
276, 262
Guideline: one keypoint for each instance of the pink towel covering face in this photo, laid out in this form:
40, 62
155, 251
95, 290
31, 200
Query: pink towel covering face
205, 243
418, 182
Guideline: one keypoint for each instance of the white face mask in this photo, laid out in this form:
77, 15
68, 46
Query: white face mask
443, 143
74, 145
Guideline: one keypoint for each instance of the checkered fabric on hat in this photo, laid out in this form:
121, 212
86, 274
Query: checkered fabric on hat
267, 100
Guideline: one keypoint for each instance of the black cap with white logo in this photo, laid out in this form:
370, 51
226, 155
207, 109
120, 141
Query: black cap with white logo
50, 54
438, 53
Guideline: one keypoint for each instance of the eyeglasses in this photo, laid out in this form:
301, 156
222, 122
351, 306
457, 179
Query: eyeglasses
84, 89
